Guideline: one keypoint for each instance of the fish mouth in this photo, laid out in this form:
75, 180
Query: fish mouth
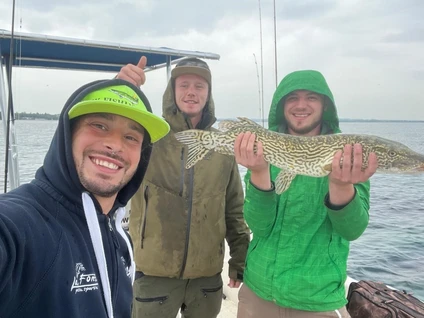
418, 168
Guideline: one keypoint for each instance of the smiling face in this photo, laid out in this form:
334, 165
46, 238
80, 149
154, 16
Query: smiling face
191, 95
303, 112
106, 149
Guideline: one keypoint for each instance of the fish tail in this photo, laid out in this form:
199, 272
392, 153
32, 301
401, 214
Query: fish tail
199, 144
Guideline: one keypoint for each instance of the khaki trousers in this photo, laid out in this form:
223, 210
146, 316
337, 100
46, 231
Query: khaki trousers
162, 297
251, 306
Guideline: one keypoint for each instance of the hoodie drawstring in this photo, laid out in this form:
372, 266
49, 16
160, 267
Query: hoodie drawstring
97, 241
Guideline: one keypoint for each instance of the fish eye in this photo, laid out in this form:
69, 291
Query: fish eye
392, 153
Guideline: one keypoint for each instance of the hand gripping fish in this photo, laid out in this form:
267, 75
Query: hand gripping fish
299, 155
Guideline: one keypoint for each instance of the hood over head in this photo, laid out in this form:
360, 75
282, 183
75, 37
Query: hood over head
171, 112
106, 96
303, 80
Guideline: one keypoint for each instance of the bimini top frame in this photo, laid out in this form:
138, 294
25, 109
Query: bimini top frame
44, 51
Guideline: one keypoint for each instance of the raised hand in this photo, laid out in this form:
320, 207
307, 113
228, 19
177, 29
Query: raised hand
134, 73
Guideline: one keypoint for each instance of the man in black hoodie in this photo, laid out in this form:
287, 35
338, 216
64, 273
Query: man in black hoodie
63, 252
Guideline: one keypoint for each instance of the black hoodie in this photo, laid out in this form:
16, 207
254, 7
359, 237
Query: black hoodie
48, 266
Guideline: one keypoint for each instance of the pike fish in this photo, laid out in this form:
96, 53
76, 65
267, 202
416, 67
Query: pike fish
299, 155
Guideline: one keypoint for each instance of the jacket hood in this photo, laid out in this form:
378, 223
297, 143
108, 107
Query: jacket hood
177, 119
308, 80
59, 168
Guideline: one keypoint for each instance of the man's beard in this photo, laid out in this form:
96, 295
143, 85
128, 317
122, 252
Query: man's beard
99, 188
304, 130
103, 188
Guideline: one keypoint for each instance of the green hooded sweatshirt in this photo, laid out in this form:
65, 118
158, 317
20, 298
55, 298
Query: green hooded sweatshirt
180, 218
298, 254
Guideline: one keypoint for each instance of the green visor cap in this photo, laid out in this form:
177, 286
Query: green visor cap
121, 100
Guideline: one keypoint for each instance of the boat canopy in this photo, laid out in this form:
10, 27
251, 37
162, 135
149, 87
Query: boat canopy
53, 52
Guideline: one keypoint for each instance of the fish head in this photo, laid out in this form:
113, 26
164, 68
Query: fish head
394, 157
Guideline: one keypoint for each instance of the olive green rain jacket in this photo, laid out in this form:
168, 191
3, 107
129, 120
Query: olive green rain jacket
298, 254
180, 218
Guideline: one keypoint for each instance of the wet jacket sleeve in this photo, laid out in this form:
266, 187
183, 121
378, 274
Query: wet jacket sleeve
260, 208
237, 235
351, 220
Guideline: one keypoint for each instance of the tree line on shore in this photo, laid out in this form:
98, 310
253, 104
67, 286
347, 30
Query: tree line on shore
34, 116
46, 116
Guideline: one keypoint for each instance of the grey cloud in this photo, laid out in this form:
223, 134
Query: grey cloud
46, 6
418, 74
304, 9
155, 18
352, 42
414, 35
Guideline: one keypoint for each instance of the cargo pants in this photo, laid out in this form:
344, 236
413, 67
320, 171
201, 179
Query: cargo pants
163, 297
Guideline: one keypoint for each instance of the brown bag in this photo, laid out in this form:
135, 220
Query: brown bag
376, 300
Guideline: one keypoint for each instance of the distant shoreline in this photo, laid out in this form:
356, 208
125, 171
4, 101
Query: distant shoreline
36, 116
352, 120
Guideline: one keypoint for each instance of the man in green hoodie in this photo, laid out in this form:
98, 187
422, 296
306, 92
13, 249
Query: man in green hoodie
181, 217
297, 260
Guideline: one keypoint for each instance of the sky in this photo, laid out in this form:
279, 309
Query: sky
370, 51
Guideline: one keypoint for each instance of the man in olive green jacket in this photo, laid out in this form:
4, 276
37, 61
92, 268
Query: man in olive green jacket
296, 263
180, 218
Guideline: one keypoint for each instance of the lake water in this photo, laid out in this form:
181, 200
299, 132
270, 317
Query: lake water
392, 248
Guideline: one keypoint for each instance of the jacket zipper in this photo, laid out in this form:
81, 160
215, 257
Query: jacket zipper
114, 267
190, 205
182, 173
334, 263
146, 200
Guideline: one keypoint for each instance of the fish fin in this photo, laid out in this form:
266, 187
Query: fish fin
283, 181
225, 150
226, 125
197, 150
327, 167
249, 122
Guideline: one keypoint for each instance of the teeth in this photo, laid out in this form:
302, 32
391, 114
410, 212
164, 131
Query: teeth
301, 115
106, 164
